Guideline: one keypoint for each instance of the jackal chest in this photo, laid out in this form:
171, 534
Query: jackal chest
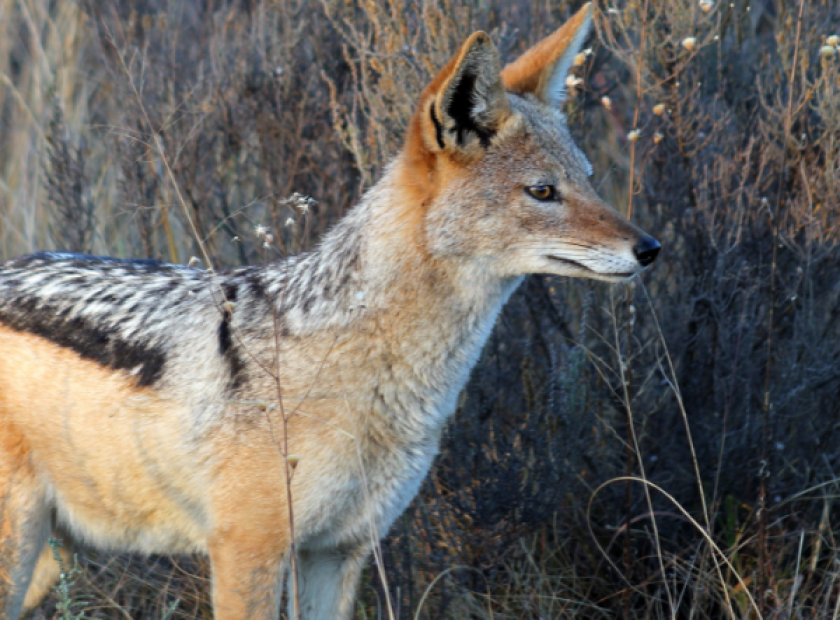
374, 415
352, 500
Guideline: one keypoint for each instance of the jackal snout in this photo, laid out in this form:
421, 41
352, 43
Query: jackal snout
646, 250
592, 240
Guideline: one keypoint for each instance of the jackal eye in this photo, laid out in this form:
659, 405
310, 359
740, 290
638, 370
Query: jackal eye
543, 193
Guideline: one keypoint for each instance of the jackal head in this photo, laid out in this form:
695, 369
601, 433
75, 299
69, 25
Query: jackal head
490, 157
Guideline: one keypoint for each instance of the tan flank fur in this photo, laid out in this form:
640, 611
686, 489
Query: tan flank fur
142, 404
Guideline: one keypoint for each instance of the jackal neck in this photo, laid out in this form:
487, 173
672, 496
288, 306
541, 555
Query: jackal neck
373, 278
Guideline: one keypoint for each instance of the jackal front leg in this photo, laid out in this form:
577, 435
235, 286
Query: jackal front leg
328, 579
247, 578
249, 542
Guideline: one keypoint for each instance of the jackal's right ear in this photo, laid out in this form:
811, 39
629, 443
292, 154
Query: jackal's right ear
466, 103
543, 69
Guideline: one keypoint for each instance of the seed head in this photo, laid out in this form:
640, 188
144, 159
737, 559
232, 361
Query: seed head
706, 5
657, 137
579, 60
833, 40
827, 52
605, 101
659, 109
634, 135
194, 261
293, 459
301, 202
573, 82
689, 43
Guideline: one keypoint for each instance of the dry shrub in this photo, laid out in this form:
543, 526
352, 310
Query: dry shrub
715, 124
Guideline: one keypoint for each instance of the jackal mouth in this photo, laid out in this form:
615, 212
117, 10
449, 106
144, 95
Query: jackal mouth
578, 265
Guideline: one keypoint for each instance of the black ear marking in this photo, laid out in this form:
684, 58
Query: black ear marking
438, 126
460, 109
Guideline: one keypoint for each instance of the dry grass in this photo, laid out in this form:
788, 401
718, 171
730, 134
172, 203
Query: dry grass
727, 403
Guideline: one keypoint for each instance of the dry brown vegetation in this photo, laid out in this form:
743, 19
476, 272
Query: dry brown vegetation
665, 449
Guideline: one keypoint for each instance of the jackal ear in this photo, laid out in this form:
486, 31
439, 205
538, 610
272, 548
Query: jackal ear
468, 102
543, 69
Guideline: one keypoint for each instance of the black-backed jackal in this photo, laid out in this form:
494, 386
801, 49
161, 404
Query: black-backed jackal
140, 402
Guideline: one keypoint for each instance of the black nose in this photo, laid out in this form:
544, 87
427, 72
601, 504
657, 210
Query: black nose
646, 250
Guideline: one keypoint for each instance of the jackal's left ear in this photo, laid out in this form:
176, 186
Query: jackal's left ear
543, 69
466, 103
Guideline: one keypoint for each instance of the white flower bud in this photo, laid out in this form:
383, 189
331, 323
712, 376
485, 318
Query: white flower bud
573, 82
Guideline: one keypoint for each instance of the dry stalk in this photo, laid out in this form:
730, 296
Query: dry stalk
765, 411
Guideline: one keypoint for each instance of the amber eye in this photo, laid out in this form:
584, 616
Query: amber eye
543, 193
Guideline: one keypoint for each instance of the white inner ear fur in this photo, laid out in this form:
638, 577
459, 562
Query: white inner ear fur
556, 91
